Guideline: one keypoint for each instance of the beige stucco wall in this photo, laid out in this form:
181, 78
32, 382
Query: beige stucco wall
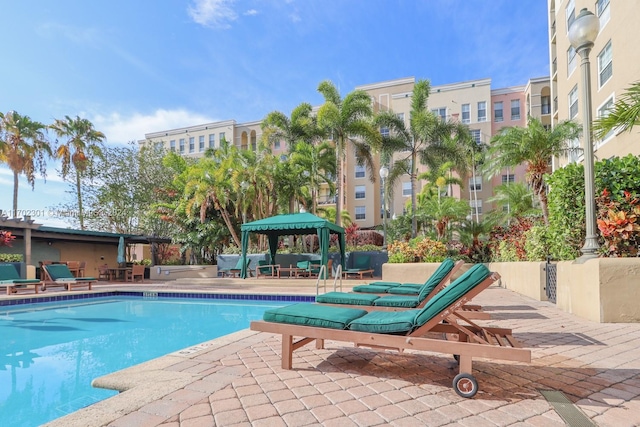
602, 290
526, 278
173, 272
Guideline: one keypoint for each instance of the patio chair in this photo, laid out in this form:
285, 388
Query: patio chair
136, 272
314, 269
10, 279
361, 266
402, 330
385, 302
60, 275
232, 272
104, 272
267, 270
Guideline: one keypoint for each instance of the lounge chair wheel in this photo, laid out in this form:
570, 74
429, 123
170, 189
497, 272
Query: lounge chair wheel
465, 385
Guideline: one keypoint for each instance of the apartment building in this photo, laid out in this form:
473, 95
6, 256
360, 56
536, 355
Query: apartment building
615, 65
473, 103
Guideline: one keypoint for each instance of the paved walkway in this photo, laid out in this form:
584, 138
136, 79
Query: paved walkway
237, 380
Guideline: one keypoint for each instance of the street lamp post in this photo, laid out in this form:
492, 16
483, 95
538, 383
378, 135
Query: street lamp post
582, 34
384, 173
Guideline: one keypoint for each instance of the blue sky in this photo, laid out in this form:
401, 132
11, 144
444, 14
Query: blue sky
134, 67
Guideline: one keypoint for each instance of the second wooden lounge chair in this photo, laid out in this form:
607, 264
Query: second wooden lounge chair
402, 330
60, 275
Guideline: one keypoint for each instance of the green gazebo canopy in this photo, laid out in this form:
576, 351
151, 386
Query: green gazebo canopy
288, 224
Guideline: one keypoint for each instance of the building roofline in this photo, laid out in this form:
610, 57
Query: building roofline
387, 83
460, 85
507, 90
196, 128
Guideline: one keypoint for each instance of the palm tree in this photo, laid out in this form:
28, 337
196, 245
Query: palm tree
624, 115
512, 201
425, 140
83, 144
348, 121
317, 164
535, 146
300, 126
23, 147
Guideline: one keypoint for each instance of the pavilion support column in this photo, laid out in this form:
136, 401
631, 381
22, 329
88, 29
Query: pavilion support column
27, 246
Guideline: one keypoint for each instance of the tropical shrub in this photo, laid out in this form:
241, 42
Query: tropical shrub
417, 250
508, 243
6, 238
10, 257
617, 222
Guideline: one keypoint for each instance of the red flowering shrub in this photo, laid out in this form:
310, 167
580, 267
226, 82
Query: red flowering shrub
617, 222
6, 238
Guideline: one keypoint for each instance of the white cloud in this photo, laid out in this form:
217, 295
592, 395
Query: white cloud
213, 13
251, 12
121, 129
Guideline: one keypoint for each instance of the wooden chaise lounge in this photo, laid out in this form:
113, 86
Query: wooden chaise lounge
60, 275
10, 279
400, 330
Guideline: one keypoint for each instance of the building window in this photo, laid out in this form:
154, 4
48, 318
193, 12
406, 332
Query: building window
221, 138
172, 145
360, 192
201, 143
603, 112
482, 111
406, 189
508, 178
182, 145
212, 140
497, 112
603, 12
546, 104
515, 109
475, 135
571, 13
466, 113
361, 212
400, 116
360, 171
572, 60
192, 144
573, 102
475, 183
476, 206
384, 131
605, 64
276, 145
441, 112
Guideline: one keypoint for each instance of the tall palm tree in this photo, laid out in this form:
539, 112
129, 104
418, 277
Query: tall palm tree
317, 164
83, 144
624, 115
423, 140
535, 146
23, 147
300, 127
348, 121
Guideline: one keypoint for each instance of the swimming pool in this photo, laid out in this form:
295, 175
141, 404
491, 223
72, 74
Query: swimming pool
50, 353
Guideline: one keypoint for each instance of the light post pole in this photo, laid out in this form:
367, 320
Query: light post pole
582, 34
384, 173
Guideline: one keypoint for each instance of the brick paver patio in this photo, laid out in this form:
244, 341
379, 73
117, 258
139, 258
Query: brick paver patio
237, 380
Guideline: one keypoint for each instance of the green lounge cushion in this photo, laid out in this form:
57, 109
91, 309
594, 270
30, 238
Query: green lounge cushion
383, 283
59, 271
8, 272
405, 290
19, 281
443, 299
385, 322
441, 272
313, 315
361, 263
346, 298
370, 289
405, 301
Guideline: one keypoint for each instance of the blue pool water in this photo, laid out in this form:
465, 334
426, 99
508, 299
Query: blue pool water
50, 353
